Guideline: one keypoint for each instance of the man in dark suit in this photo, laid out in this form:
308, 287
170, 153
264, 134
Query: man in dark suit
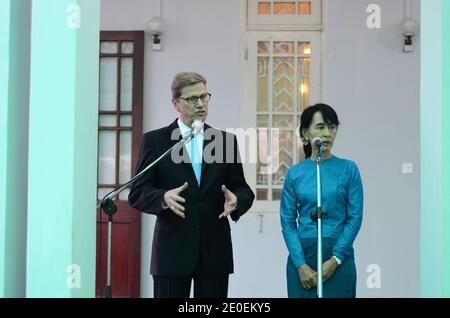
191, 197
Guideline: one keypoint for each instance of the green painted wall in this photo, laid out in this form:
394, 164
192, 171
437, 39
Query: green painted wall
63, 148
15, 19
446, 147
435, 143
86, 121
5, 12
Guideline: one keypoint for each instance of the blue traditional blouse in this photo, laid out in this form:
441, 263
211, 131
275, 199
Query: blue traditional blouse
342, 199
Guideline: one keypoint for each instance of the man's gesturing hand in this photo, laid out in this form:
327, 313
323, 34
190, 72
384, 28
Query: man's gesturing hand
173, 200
230, 202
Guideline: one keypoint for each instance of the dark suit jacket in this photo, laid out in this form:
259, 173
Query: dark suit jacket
178, 244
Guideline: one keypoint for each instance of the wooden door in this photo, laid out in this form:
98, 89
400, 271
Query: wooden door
120, 130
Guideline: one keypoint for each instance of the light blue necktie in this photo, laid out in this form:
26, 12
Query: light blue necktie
196, 162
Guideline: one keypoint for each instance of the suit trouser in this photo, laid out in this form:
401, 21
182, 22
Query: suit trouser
206, 285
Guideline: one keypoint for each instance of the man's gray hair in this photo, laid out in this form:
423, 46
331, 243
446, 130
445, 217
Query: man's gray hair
184, 79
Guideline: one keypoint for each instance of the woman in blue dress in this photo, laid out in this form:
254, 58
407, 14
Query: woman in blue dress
342, 199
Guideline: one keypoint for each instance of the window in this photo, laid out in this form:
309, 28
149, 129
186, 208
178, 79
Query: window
115, 116
284, 15
282, 77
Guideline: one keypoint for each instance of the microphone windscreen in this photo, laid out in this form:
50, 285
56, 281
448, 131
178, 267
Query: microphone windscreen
317, 142
197, 126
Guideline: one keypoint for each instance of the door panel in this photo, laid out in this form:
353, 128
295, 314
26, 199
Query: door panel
120, 130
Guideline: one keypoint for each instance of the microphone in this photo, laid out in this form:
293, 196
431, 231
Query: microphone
317, 142
197, 126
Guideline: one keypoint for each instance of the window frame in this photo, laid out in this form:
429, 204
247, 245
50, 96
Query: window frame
249, 38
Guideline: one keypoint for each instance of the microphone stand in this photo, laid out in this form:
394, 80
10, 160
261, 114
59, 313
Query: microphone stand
317, 216
110, 207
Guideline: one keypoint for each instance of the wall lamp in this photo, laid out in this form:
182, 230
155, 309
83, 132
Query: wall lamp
409, 28
155, 28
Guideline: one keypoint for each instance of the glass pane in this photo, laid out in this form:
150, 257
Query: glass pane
283, 121
276, 195
126, 120
262, 167
263, 84
262, 121
303, 83
102, 192
304, 8
261, 195
127, 47
107, 157
264, 8
125, 157
284, 7
108, 47
283, 47
108, 121
126, 84
283, 151
304, 48
283, 84
108, 83
124, 195
263, 47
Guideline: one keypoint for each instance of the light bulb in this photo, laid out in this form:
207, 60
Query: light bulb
155, 26
409, 26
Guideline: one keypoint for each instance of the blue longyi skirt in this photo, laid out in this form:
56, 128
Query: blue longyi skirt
342, 284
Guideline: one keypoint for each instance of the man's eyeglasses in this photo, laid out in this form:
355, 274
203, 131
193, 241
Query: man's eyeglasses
193, 100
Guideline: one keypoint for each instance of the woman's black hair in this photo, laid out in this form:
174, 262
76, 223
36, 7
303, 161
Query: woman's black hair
329, 116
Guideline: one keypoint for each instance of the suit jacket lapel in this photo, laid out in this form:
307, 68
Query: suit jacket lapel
174, 134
